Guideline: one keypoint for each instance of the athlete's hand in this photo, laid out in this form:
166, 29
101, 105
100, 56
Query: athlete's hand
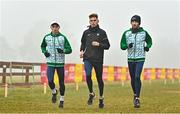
47, 54
130, 45
81, 53
95, 44
60, 50
146, 49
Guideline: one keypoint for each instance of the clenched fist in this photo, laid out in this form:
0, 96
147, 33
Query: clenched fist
81, 54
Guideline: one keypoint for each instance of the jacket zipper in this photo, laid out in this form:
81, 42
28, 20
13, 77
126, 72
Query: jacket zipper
55, 51
135, 46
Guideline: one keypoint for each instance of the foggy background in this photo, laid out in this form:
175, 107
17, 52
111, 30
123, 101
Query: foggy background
24, 23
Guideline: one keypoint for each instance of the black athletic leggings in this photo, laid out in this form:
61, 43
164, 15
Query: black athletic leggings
98, 67
50, 75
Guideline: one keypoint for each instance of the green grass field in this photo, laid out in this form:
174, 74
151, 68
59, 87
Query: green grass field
155, 97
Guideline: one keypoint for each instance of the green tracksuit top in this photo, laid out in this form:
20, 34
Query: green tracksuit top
50, 44
140, 39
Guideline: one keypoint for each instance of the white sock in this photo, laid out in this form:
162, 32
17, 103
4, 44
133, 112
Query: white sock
137, 98
54, 91
61, 98
92, 93
101, 97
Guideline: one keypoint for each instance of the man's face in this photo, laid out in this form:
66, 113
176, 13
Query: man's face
93, 21
55, 29
135, 24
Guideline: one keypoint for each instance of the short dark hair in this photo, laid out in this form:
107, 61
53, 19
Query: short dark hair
93, 15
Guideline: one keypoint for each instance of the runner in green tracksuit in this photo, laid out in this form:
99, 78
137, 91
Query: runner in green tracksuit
137, 41
54, 46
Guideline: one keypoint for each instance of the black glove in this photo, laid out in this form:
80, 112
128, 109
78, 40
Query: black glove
60, 50
146, 49
130, 45
47, 54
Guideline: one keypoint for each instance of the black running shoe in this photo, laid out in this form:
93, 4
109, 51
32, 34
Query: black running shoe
136, 103
61, 104
54, 99
101, 103
91, 97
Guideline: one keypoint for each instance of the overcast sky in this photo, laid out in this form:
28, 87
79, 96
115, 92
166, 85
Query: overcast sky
23, 24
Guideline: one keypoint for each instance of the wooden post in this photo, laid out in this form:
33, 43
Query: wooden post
45, 88
5, 90
10, 72
77, 86
122, 83
165, 81
150, 81
33, 73
4, 74
27, 76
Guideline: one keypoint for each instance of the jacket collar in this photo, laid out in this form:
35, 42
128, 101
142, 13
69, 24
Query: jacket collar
55, 35
136, 30
94, 29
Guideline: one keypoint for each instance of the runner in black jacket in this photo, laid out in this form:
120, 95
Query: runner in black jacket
93, 43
